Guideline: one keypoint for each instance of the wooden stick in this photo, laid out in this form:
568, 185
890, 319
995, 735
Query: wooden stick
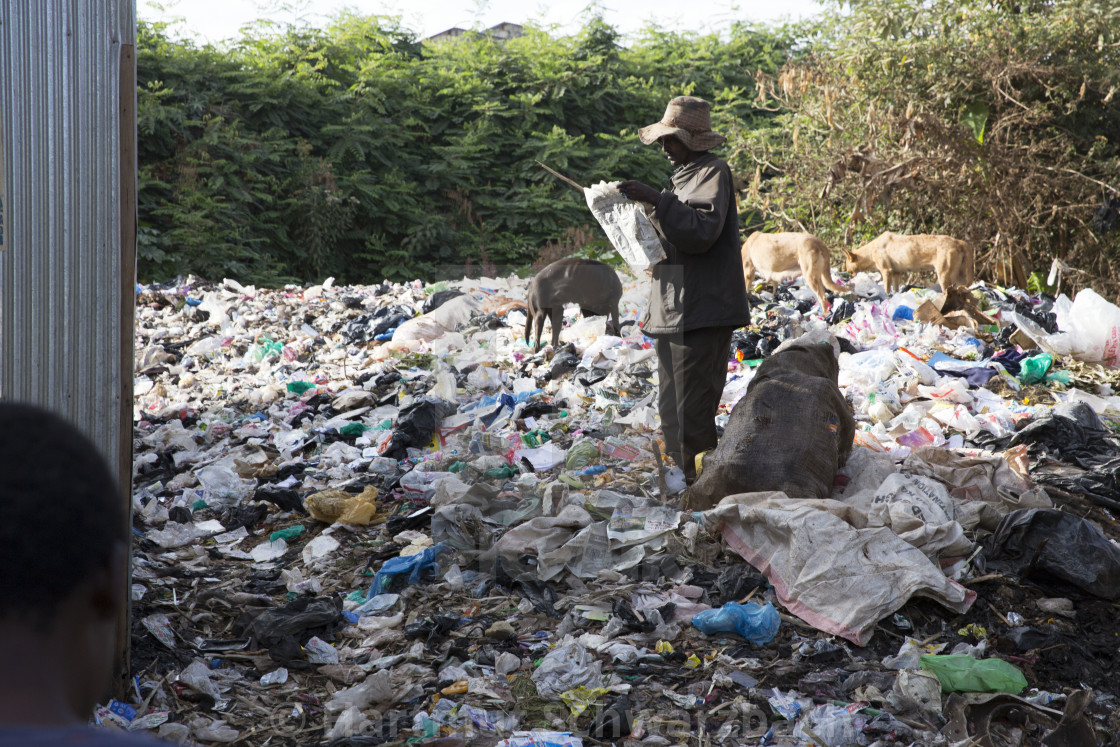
558, 175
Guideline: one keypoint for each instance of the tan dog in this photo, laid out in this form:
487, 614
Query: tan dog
893, 254
784, 256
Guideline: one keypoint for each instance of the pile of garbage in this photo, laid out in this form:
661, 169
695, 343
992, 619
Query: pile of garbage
372, 515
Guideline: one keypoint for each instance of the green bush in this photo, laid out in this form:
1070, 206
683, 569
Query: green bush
358, 152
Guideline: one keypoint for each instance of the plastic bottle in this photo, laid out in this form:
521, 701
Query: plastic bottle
757, 623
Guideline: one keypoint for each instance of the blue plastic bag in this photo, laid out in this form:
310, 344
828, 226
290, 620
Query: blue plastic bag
757, 623
414, 565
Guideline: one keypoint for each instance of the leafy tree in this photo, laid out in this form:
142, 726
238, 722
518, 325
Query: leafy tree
991, 120
359, 152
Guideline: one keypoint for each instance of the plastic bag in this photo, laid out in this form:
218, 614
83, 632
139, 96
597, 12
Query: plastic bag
414, 565
565, 668
757, 623
1033, 369
223, 485
962, 673
1095, 328
416, 424
832, 724
351, 722
1060, 544
581, 454
321, 652
212, 730
626, 225
335, 506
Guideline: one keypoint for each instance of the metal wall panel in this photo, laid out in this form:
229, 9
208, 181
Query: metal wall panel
68, 272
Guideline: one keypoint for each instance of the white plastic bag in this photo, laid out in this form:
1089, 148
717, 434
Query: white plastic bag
1090, 329
1095, 327
626, 225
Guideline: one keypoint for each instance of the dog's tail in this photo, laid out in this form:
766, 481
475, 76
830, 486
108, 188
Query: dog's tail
826, 278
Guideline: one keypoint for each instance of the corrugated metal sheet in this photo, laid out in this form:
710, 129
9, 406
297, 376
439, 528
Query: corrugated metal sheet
66, 270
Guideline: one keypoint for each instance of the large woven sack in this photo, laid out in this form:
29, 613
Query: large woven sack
791, 431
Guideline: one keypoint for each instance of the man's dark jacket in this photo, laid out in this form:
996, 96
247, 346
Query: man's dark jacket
700, 283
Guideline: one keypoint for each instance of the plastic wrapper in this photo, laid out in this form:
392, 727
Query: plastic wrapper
626, 225
565, 668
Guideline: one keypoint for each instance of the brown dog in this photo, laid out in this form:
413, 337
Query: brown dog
893, 254
783, 256
593, 285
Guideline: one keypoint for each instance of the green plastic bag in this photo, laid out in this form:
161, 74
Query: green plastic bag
962, 673
353, 429
286, 534
1033, 370
1059, 377
581, 454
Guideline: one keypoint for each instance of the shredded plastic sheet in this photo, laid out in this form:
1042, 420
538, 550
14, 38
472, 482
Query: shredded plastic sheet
837, 578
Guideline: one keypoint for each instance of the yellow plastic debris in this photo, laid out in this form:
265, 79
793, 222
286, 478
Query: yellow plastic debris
698, 462
334, 506
581, 698
979, 632
457, 688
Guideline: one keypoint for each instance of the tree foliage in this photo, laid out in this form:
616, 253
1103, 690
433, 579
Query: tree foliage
996, 121
359, 152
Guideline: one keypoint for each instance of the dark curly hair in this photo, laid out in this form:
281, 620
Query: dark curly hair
61, 511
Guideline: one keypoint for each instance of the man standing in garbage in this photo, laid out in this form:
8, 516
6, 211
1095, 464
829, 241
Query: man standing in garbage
63, 554
697, 297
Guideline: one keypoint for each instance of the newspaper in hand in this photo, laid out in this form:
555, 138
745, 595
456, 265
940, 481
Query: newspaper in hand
626, 225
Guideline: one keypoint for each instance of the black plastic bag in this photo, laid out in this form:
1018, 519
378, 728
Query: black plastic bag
1058, 544
416, 424
563, 363
438, 299
1071, 433
285, 498
367, 328
283, 630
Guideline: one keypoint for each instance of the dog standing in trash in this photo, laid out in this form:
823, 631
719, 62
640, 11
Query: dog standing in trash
591, 284
893, 254
784, 256
791, 431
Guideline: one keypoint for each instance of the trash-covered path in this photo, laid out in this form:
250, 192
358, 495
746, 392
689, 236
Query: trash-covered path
372, 515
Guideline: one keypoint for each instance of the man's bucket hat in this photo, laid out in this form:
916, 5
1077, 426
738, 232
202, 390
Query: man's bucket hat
689, 119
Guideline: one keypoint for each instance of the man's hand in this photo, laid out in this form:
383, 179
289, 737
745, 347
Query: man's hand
639, 191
